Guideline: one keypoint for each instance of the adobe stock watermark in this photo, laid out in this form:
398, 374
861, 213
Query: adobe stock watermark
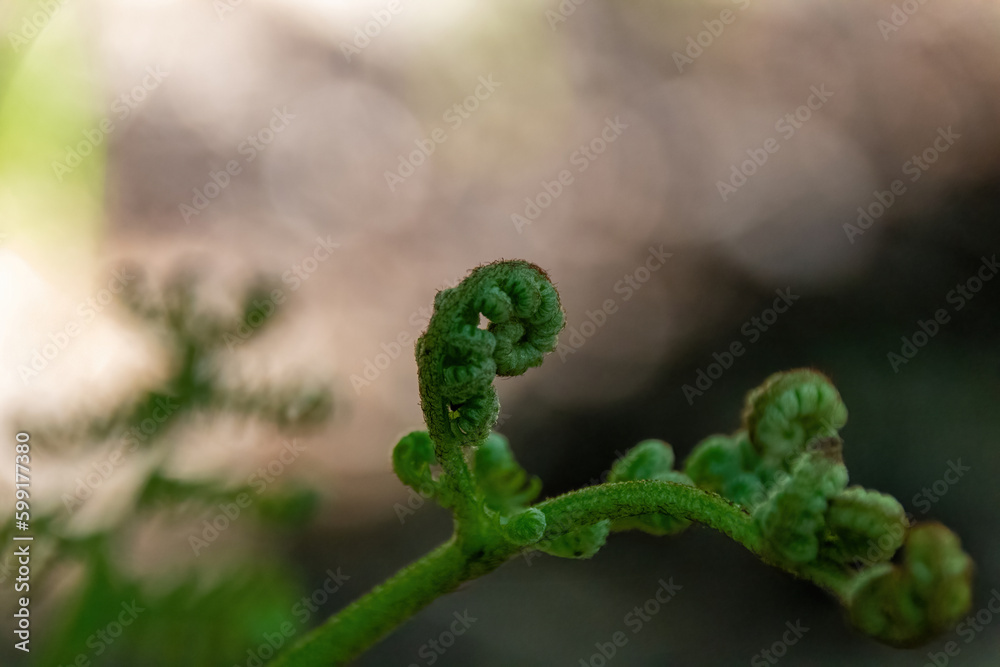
753, 329
969, 629
562, 12
129, 441
32, 26
882, 549
101, 640
432, 650
958, 297
225, 7
59, 340
786, 126
454, 116
571, 519
697, 44
364, 34
899, 17
929, 495
122, 108
581, 158
373, 367
779, 649
915, 167
577, 336
310, 604
417, 498
250, 148
263, 310
229, 512
635, 620
303, 610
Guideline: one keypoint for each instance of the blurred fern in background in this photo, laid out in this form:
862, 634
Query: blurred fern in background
86, 602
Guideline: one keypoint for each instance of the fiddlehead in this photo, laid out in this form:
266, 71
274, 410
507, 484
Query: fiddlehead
788, 411
505, 486
412, 459
905, 605
778, 485
864, 526
457, 360
583, 542
793, 515
727, 465
507, 491
785, 467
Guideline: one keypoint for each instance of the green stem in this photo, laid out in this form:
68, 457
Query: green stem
621, 500
461, 489
365, 621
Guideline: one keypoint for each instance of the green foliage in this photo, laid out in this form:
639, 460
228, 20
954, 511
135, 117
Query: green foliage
865, 526
218, 615
583, 542
290, 506
905, 605
48, 103
788, 411
526, 527
505, 486
457, 361
777, 486
793, 516
236, 610
727, 465
412, 459
780, 418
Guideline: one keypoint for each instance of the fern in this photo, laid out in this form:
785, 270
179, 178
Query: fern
778, 486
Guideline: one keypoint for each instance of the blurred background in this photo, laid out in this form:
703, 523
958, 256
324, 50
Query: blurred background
222, 225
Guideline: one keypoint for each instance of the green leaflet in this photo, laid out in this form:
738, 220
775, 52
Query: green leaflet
505, 485
865, 527
727, 465
580, 543
793, 516
780, 418
650, 459
788, 411
412, 459
904, 605
525, 528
